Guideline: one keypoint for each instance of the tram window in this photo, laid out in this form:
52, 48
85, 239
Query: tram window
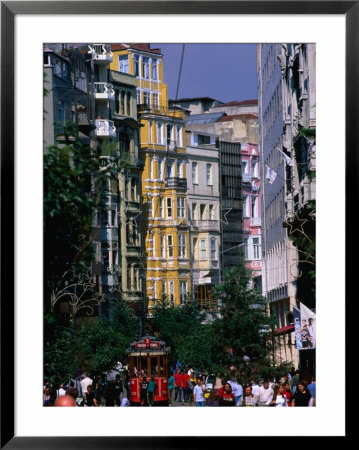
144, 367
154, 366
133, 366
161, 366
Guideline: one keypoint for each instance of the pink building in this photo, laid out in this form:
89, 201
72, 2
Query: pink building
252, 208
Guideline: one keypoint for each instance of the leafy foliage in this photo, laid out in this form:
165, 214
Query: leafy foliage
242, 324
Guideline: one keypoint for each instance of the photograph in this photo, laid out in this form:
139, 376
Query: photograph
179, 224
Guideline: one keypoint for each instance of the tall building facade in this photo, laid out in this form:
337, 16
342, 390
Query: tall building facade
279, 272
165, 222
204, 213
102, 104
286, 85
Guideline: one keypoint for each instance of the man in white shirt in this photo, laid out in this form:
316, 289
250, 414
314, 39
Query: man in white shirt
264, 393
255, 387
198, 393
61, 391
86, 381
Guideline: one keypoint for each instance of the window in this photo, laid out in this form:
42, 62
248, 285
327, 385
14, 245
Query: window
133, 189
169, 207
169, 130
255, 248
150, 131
170, 169
172, 290
202, 212
138, 97
195, 240
136, 66
244, 166
61, 111
162, 212
203, 249
179, 135
203, 140
145, 68
182, 246
170, 246
213, 248
183, 291
181, 169
254, 168
194, 211
164, 290
123, 63
163, 247
160, 169
151, 169
154, 69
159, 133
155, 101
211, 212
246, 206
146, 99
180, 207
254, 206
194, 173
209, 174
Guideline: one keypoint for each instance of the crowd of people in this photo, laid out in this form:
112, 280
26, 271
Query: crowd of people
185, 386
290, 390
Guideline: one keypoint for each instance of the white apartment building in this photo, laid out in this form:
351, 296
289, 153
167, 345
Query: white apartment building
204, 214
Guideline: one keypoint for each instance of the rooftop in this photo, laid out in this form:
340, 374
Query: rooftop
242, 103
141, 47
199, 119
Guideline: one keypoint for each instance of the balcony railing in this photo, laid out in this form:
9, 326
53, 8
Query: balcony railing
102, 91
175, 182
255, 222
101, 53
152, 108
207, 225
105, 128
246, 177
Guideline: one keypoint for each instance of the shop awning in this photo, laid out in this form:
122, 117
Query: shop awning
284, 330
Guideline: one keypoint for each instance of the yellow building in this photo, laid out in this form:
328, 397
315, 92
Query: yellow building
164, 182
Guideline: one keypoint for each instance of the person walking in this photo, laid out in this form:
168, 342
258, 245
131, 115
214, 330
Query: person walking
171, 385
118, 389
248, 399
265, 393
213, 399
295, 381
90, 397
198, 393
226, 398
143, 395
287, 393
237, 389
151, 389
178, 386
185, 386
278, 399
302, 395
110, 394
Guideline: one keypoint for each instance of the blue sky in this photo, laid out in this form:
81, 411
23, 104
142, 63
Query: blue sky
225, 72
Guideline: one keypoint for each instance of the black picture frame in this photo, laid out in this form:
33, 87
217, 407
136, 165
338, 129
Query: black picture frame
9, 9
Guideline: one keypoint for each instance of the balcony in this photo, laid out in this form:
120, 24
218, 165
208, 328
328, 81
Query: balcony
255, 222
105, 128
175, 182
152, 108
246, 178
101, 53
206, 225
133, 251
102, 91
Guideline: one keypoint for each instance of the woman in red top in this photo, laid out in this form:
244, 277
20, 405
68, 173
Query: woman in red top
226, 397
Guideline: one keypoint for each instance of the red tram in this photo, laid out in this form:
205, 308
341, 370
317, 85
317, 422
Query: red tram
147, 357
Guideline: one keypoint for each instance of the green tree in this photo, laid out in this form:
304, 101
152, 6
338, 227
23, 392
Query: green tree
241, 323
182, 328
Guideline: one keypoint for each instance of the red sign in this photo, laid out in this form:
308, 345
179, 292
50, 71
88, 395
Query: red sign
148, 343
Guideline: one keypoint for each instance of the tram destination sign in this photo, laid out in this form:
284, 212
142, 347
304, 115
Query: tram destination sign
148, 345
